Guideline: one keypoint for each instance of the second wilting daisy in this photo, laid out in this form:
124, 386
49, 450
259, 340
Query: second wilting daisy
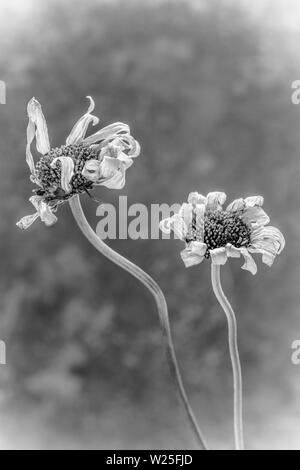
211, 232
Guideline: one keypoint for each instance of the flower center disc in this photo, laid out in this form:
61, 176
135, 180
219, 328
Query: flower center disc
50, 178
220, 228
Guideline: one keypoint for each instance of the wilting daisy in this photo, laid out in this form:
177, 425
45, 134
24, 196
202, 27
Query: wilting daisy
211, 232
79, 165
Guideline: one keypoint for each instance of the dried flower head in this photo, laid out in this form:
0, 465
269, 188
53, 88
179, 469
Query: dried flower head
79, 165
209, 231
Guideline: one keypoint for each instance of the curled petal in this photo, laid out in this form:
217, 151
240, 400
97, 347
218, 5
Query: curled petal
255, 216
131, 145
92, 170
249, 264
236, 205
110, 132
179, 227
186, 213
115, 150
270, 235
193, 254
112, 173
215, 201
174, 224
165, 225
78, 132
67, 171
218, 256
196, 198
268, 241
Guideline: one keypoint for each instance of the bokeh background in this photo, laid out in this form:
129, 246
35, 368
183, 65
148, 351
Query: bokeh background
206, 88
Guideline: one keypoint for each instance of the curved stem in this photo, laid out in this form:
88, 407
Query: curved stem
234, 354
155, 290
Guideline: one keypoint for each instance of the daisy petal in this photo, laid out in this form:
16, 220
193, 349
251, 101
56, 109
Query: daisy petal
26, 221
179, 227
236, 205
218, 256
44, 211
92, 170
37, 124
255, 216
193, 254
67, 171
249, 264
200, 211
232, 251
78, 132
254, 201
186, 213
112, 172
47, 215
196, 198
268, 241
215, 201
109, 132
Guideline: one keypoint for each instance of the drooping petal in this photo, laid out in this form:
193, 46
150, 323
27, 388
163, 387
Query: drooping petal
46, 214
215, 201
37, 121
249, 264
218, 256
271, 235
78, 132
26, 221
67, 171
196, 198
193, 254
236, 205
269, 241
43, 211
232, 251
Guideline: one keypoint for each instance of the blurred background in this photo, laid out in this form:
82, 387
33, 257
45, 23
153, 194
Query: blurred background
206, 88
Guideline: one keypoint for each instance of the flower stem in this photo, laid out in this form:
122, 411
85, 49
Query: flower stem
155, 290
234, 354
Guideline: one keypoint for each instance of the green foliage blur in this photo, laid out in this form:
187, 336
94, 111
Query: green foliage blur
206, 90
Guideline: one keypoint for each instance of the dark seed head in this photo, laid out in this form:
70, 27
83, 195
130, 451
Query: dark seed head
50, 178
220, 228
